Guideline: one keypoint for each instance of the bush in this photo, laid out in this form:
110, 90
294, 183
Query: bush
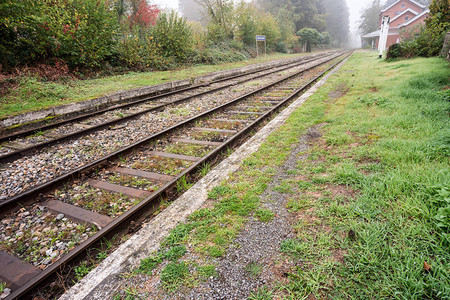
218, 53
81, 32
429, 44
394, 51
281, 47
173, 36
141, 53
429, 40
425, 45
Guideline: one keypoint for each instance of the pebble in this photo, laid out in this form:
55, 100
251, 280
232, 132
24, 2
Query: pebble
5, 293
38, 232
59, 217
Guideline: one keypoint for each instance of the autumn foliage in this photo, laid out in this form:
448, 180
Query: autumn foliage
144, 14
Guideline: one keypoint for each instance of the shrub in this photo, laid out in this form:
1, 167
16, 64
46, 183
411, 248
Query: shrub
218, 53
82, 32
429, 44
394, 51
173, 36
281, 47
141, 53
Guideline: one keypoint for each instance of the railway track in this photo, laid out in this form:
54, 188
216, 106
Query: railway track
78, 209
15, 145
32, 167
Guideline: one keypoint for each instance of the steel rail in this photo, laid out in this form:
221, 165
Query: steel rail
14, 155
142, 207
145, 98
34, 192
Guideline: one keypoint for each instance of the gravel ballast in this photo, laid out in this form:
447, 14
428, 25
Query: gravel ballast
27, 172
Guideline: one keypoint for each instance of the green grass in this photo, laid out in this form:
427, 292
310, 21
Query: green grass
254, 269
34, 94
264, 215
207, 271
392, 147
174, 274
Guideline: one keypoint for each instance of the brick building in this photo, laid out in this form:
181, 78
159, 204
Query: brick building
405, 15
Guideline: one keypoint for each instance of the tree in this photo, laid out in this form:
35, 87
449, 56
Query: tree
246, 22
142, 13
309, 37
220, 18
310, 13
337, 20
305, 13
369, 20
81, 32
20, 32
267, 26
437, 25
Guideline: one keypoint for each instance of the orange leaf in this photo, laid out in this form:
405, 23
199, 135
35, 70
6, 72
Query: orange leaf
426, 267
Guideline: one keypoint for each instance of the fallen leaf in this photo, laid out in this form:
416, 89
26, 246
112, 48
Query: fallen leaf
426, 267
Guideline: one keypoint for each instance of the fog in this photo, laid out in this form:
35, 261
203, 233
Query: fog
355, 7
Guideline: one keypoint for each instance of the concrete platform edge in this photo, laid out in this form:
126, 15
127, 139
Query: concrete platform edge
101, 282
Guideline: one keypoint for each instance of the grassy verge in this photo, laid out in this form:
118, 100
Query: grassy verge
370, 203
33, 93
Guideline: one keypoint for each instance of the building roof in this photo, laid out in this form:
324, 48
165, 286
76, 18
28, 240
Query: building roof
415, 18
412, 1
392, 31
371, 35
403, 12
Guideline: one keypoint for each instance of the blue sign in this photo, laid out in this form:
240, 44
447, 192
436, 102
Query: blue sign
260, 37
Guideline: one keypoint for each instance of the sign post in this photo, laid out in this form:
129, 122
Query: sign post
383, 34
261, 38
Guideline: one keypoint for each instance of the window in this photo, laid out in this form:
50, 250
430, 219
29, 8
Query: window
403, 5
406, 18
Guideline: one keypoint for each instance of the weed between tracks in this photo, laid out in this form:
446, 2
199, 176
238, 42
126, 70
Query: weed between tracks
97, 200
133, 181
368, 201
161, 165
188, 149
209, 136
231, 125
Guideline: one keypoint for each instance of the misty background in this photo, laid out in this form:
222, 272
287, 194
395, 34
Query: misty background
355, 7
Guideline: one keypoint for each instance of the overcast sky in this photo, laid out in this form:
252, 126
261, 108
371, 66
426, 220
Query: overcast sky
355, 7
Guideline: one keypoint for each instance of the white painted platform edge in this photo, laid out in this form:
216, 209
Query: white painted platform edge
101, 282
